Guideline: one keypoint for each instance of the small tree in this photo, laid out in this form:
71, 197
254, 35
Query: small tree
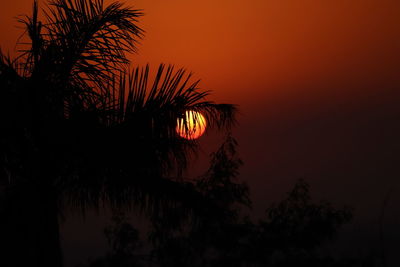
295, 227
215, 238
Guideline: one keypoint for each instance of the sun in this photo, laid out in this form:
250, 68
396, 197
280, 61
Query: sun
193, 126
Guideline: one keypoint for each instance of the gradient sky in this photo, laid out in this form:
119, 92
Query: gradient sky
317, 82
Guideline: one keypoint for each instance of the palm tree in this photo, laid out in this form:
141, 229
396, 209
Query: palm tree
79, 128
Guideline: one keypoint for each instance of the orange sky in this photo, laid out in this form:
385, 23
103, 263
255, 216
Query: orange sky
242, 48
250, 52
317, 82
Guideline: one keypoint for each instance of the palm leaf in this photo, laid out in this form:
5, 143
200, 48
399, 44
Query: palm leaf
166, 100
136, 157
93, 38
78, 49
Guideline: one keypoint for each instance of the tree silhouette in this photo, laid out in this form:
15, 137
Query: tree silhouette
124, 241
291, 234
216, 237
296, 227
79, 128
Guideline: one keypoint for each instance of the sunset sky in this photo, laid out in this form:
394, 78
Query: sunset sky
317, 83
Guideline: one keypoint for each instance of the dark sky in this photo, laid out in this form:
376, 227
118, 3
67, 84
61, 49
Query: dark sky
317, 82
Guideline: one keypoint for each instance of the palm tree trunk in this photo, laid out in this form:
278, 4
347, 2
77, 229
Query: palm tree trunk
29, 228
48, 238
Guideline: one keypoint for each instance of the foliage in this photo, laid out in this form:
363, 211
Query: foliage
290, 235
122, 237
297, 222
296, 227
79, 129
216, 229
94, 130
218, 184
124, 241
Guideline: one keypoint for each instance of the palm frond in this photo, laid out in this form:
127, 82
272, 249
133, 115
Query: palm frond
12, 94
131, 158
147, 194
92, 38
151, 112
8, 69
80, 46
164, 102
34, 30
76, 52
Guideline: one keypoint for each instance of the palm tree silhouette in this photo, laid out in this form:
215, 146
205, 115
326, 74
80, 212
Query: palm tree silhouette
79, 128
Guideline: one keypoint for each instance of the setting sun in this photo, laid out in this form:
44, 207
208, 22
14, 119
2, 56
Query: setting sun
193, 126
